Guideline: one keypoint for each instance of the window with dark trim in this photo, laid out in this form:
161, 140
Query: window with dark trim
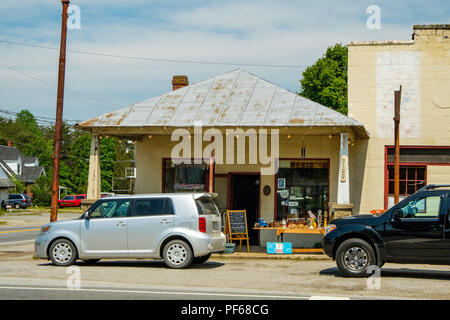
412, 178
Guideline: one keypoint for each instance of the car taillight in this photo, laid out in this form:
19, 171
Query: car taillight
24, 200
202, 224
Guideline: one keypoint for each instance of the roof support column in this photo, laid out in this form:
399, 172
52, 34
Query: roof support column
94, 179
343, 196
343, 207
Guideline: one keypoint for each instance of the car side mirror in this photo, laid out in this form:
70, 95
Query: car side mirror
87, 215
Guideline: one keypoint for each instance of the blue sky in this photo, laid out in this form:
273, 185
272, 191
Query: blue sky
256, 32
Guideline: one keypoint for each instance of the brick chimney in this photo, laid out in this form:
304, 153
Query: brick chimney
10, 143
179, 82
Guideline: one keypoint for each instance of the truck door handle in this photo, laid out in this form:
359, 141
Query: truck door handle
121, 224
165, 221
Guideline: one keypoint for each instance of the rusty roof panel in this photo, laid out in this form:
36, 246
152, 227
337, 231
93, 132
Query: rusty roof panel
303, 112
236, 98
259, 103
166, 107
217, 97
239, 98
140, 112
278, 118
282, 99
114, 118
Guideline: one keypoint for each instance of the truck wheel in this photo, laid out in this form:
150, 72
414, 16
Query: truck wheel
202, 259
63, 253
177, 254
354, 256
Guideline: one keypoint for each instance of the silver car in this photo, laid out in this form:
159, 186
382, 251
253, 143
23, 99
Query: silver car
181, 228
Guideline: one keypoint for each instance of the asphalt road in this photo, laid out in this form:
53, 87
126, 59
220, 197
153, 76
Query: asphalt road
22, 277
57, 293
10, 236
221, 278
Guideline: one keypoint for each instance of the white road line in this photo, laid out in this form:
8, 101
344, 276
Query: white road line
162, 292
14, 242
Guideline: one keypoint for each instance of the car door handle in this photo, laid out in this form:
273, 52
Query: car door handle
121, 224
165, 221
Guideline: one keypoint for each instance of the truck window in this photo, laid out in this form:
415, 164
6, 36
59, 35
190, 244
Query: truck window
426, 207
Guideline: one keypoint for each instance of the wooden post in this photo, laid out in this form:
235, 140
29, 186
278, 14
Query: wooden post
59, 114
211, 175
397, 99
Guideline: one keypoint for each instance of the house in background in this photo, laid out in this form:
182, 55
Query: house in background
14, 164
5, 182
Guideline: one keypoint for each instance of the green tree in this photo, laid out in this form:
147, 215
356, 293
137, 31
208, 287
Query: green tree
325, 82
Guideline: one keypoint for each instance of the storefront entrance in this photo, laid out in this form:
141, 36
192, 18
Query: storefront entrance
244, 194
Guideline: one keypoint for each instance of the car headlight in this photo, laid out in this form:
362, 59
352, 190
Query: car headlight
330, 228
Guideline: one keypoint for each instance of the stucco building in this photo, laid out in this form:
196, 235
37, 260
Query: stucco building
325, 160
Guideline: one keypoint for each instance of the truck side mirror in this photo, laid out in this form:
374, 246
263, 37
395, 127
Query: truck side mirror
397, 215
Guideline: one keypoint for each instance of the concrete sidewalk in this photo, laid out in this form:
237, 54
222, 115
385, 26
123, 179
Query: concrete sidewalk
258, 252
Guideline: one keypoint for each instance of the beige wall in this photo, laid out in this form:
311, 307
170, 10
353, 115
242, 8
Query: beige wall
375, 70
438, 174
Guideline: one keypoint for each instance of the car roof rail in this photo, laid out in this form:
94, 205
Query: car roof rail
434, 186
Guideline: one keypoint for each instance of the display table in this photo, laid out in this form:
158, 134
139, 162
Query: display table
281, 231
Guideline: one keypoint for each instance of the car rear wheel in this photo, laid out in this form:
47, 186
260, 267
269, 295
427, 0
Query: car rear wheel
354, 257
177, 254
202, 259
17, 205
63, 253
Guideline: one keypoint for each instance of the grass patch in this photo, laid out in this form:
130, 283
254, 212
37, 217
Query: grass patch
3, 222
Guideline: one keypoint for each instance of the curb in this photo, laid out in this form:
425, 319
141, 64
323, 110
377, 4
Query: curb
265, 256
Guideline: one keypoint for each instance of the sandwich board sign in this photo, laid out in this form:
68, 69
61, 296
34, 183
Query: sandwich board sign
236, 226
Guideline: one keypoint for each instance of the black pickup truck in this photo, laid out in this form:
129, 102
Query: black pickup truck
416, 230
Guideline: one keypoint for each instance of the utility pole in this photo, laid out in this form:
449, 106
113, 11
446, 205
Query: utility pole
59, 113
397, 100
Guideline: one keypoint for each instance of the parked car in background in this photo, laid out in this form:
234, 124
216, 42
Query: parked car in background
107, 194
71, 201
416, 230
181, 228
18, 201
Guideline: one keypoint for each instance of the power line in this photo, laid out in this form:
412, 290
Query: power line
157, 59
38, 118
39, 79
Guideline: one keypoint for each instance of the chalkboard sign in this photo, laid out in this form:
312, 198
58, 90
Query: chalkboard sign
236, 227
237, 221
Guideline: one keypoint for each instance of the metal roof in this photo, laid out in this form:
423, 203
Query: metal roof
236, 98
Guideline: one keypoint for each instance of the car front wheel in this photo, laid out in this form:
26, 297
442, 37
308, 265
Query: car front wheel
177, 254
354, 257
63, 253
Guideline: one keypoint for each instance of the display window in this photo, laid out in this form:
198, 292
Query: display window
185, 177
302, 186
